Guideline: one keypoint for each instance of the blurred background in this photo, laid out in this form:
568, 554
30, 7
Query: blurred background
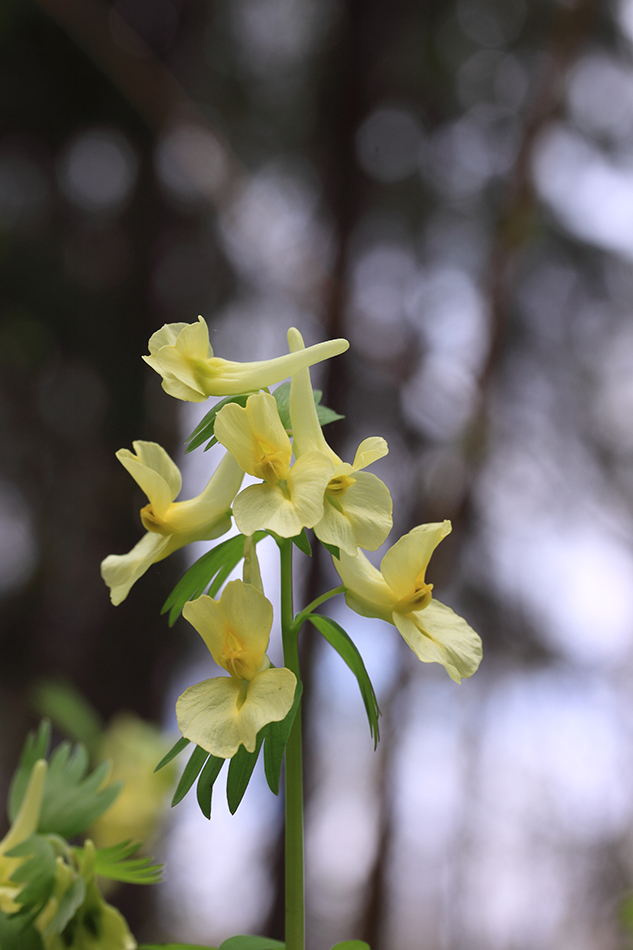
450, 186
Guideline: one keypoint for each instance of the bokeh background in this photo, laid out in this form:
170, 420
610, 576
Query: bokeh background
450, 186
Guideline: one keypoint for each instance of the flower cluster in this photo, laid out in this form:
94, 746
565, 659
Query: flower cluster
301, 484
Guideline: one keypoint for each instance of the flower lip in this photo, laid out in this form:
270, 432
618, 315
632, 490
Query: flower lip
418, 600
152, 523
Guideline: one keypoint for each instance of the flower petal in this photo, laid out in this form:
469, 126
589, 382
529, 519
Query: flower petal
154, 472
208, 713
307, 435
370, 450
121, 571
265, 507
403, 563
249, 614
307, 481
255, 436
200, 518
365, 517
367, 593
438, 635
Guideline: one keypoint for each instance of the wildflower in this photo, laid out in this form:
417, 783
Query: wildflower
223, 713
357, 505
290, 496
169, 524
24, 825
95, 925
399, 593
182, 355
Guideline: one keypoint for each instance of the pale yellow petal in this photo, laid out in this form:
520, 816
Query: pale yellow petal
407, 560
265, 507
27, 819
370, 450
193, 340
166, 336
367, 593
154, 456
174, 386
307, 481
206, 615
438, 635
256, 437
249, 614
307, 435
121, 571
152, 482
199, 518
364, 519
208, 713
172, 364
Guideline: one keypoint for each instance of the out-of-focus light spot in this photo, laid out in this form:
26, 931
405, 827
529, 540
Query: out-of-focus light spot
379, 281
72, 399
276, 34
463, 156
600, 96
476, 77
439, 399
491, 25
98, 171
388, 144
591, 193
191, 162
613, 406
17, 545
271, 232
24, 192
511, 82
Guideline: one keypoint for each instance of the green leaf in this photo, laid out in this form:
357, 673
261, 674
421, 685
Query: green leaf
252, 943
18, 933
190, 774
347, 650
73, 798
36, 747
204, 429
119, 864
334, 551
352, 945
282, 396
37, 871
171, 946
70, 902
173, 752
69, 710
240, 771
220, 561
277, 734
301, 540
205, 783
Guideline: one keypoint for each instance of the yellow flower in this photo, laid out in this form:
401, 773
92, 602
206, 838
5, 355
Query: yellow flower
223, 713
24, 825
133, 746
399, 593
182, 355
169, 524
290, 496
95, 925
357, 505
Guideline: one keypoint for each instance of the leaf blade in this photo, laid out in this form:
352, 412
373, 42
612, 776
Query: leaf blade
276, 740
191, 771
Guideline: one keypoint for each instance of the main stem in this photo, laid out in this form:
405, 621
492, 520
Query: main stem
295, 897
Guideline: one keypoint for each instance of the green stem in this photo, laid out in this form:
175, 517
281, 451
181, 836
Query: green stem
295, 897
301, 618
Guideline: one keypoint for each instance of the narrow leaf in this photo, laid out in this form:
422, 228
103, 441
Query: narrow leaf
119, 864
173, 946
74, 799
326, 415
173, 752
204, 429
195, 581
352, 945
18, 933
35, 747
205, 783
190, 774
36, 872
240, 771
252, 943
69, 710
334, 551
277, 734
301, 541
282, 398
70, 902
347, 650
